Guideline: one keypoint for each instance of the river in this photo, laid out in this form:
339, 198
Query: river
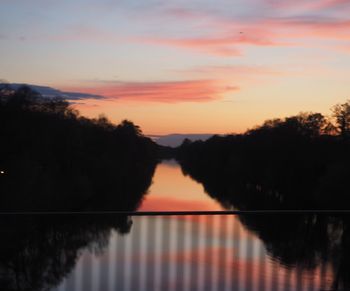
189, 252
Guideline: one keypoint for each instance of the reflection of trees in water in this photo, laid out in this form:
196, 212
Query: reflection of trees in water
300, 162
52, 159
306, 241
37, 252
295, 240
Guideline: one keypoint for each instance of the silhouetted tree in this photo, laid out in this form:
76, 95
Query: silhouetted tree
56, 160
286, 163
128, 128
22, 99
341, 113
304, 124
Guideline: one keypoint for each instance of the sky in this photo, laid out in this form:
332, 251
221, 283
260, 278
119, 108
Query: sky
184, 66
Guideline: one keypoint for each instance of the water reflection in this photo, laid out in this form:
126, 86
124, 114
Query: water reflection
37, 252
224, 252
210, 253
171, 190
227, 252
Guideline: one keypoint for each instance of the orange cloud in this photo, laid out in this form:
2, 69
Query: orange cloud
168, 92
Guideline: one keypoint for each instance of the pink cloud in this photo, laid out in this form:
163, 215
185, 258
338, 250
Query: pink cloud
288, 23
330, 3
306, 5
309, 28
226, 45
228, 36
283, 31
168, 92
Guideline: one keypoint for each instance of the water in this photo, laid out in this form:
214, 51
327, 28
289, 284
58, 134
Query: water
226, 252
171, 190
189, 253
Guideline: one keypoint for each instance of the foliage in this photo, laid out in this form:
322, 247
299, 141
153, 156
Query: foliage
290, 163
341, 113
54, 159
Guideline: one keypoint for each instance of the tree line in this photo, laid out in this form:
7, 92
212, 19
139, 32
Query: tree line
296, 162
54, 159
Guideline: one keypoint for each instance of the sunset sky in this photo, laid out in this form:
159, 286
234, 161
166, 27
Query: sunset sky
184, 66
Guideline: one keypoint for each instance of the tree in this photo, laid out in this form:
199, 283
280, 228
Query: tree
304, 124
341, 113
186, 142
23, 98
313, 124
5, 90
56, 105
103, 122
128, 128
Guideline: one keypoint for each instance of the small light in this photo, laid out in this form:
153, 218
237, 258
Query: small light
2, 172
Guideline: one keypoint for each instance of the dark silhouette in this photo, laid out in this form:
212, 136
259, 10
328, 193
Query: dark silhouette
341, 113
291, 163
298, 162
52, 159
306, 242
38, 252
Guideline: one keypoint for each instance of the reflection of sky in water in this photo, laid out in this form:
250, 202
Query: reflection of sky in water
172, 191
187, 253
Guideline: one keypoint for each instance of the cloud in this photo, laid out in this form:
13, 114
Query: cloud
50, 92
165, 92
268, 32
226, 45
221, 34
307, 5
311, 29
